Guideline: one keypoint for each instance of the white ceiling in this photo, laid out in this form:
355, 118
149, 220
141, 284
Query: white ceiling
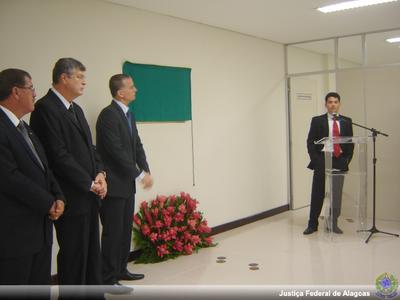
283, 21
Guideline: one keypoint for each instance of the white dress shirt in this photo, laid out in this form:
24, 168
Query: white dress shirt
61, 97
13, 118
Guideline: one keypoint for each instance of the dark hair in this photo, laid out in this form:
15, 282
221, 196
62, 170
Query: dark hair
66, 66
332, 94
116, 83
10, 78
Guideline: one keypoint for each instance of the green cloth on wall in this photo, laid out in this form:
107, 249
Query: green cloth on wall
164, 93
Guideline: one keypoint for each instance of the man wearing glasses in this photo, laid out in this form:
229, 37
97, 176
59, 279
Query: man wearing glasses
30, 197
65, 134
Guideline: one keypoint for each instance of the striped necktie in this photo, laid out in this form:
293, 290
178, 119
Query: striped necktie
71, 110
22, 129
129, 120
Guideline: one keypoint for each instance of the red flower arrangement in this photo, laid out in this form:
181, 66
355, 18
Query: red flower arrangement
168, 227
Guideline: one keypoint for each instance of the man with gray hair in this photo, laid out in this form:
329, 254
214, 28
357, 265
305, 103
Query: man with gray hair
62, 127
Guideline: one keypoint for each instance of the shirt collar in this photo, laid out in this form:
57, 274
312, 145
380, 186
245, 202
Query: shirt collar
66, 103
124, 107
330, 116
13, 118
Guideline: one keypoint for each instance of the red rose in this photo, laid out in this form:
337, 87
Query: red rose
145, 229
203, 228
153, 237
143, 205
208, 240
178, 246
187, 236
167, 236
172, 200
182, 208
182, 228
137, 220
148, 217
195, 239
179, 217
172, 233
167, 221
188, 249
162, 200
192, 205
162, 250
192, 223
158, 224
196, 215
155, 212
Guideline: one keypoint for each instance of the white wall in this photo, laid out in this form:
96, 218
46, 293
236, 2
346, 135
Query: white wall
301, 112
237, 95
372, 97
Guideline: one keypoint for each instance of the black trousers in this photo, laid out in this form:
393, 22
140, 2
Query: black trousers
33, 269
79, 258
318, 195
116, 217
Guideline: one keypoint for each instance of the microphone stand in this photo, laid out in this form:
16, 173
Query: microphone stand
373, 229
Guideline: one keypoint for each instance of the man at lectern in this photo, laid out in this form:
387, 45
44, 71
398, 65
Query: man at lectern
333, 125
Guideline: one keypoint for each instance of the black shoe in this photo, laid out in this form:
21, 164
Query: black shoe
337, 230
310, 230
119, 289
130, 276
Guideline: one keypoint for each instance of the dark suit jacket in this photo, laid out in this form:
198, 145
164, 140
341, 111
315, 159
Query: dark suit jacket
69, 149
27, 193
121, 152
319, 129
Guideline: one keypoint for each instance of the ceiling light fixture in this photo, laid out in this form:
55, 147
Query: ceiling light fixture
394, 40
351, 4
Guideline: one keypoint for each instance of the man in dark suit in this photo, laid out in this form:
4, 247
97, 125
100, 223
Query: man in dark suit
30, 197
329, 124
61, 126
122, 152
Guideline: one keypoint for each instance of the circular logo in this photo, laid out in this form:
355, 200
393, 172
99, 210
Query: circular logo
386, 286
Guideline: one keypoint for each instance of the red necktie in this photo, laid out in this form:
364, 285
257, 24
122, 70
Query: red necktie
336, 147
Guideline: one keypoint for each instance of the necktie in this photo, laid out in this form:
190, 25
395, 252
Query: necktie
335, 132
72, 112
22, 129
129, 120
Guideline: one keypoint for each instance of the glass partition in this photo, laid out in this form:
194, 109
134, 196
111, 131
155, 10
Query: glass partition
311, 57
350, 52
379, 51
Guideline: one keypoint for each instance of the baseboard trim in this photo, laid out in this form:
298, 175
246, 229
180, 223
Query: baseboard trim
247, 220
232, 225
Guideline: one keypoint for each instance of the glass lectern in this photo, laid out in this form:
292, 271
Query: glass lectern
345, 191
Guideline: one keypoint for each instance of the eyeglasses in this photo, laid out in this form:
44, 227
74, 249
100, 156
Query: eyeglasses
79, 76
27, 87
